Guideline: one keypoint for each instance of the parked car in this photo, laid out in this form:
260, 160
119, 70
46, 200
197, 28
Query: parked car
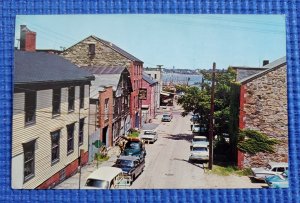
198, 128
134, 147
149, 136
131, 166
278, 181
104, 178
195, 118
166, 117
199, 140
199, 152
273, 168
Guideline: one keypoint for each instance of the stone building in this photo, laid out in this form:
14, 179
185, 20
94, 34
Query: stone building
93, 51
263, 107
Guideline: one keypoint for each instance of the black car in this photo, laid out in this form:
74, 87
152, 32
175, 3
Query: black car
131, 166
134, 148
195, 118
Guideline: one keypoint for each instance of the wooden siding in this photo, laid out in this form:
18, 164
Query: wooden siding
41, 130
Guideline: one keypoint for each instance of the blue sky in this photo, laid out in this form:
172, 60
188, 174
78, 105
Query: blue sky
183, 41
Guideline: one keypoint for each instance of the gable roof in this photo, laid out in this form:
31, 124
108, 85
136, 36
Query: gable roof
113, 47
148, 79
269, 68
104, 77
245, 72
41, 67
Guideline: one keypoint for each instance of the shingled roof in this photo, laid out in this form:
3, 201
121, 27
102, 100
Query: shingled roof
41, 67
269, 67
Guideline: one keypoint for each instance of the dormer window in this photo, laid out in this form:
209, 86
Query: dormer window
92, 49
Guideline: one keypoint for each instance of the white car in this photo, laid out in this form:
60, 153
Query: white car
149, 136
273, 168
199, 152
105, 177
199, 140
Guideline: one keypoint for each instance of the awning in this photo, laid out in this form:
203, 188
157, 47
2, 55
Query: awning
145, 106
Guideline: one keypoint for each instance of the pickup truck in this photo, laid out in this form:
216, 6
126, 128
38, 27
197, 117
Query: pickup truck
131, 166
149, 136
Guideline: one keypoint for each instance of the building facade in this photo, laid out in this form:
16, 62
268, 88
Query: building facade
93, 51
149, 100
111, 91
263, 107
156, 74
50, 116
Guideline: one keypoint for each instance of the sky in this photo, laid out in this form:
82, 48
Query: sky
180, 41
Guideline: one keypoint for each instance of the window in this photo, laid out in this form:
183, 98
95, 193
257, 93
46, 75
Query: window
71, 99
92, 49
56, 95
30, 107
81, 97
81, 127
70, 144
106, 109
155, 76
55, 146
29, 149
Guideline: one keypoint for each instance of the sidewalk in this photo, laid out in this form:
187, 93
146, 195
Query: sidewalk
73, 181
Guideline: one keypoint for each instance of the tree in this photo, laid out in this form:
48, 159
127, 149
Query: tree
198, 100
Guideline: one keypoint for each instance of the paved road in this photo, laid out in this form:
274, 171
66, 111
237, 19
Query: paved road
167, 163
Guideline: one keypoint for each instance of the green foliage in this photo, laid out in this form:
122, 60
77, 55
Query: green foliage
234, 107
198, 100
134, 134
230, 170
252, 142
101, 157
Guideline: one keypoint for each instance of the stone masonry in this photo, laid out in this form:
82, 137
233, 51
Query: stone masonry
265, 110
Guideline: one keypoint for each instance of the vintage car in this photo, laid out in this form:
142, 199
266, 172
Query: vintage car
149, 136
198, 128
278, 181
195, 118
166, 117
131, 166
273, 168
199, 140
199, 152
134, 147
104, 178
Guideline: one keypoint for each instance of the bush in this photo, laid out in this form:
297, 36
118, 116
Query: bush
256, 142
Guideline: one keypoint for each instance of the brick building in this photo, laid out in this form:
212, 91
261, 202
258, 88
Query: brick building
263, 107
149, 102
93, 51
110, 92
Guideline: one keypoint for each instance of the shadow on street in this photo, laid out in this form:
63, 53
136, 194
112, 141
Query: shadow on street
186, 137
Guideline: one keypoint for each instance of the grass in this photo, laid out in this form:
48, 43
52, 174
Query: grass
230, 170
134, 134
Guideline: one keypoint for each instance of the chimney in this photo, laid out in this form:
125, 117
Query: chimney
27, 39
265, 62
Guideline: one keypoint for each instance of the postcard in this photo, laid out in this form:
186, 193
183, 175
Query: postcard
149, 102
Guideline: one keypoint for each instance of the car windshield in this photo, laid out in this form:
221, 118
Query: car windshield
268, 167
132, 145
166, 116
196, 126
199, 139
149, 133
200, 149
122, 162
103, 184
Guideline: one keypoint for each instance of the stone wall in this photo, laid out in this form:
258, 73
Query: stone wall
265, 110
104, 55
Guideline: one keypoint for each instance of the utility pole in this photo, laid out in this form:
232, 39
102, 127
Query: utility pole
211, 118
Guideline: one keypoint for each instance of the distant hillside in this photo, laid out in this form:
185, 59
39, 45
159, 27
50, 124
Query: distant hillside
181, 71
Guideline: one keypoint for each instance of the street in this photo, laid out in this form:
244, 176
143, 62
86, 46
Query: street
167, 163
